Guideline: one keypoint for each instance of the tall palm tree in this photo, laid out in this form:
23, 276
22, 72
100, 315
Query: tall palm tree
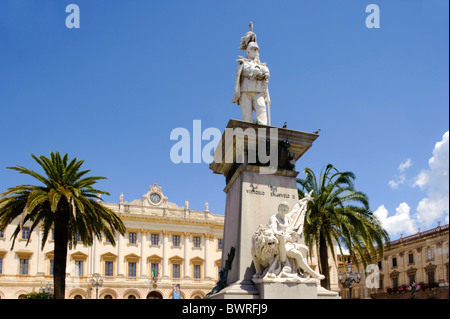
66, 202
340, 215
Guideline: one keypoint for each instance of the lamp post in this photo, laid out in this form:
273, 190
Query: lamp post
347, 280
96, 282
47, 290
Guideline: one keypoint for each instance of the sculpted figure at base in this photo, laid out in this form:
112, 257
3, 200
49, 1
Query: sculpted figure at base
278, 250
252, 78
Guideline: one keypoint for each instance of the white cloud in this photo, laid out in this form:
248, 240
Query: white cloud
395, 183
400, 179
434, 207
405, 165
400, 223
435, 181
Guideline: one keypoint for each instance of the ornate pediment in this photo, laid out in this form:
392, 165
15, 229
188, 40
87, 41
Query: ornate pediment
154, 197
394, 273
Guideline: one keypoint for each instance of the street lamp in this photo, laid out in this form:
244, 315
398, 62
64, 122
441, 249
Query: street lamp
347, 280
96, 282
47, 290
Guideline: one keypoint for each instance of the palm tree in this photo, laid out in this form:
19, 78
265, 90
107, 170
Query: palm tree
66, 202
340, 215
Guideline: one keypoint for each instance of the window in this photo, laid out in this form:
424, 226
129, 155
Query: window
52, 263
220, 244
176, 271
2, 234
429, 254
394, 262
155, 239
395, 282
132, 238
411, 258
78, 268
197, 271
24, 266
197, 241
430, 276
176, 240
131, 269
78, 237
1, 265
155, 271
109, 267
25, 232
380, 267
412, 279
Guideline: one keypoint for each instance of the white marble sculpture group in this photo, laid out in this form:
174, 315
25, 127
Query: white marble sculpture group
278, 250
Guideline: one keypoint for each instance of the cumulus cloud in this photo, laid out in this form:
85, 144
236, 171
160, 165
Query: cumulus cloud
433, 207
435, 181
400, 223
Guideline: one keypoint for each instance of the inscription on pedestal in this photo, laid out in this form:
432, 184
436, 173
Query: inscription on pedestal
271, 191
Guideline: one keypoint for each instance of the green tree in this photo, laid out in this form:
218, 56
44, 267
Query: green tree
66, 202
38, 295
339, 215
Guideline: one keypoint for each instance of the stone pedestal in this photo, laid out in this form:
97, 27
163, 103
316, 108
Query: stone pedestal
278, 290
255, 186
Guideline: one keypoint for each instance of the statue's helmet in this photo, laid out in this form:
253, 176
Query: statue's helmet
252, 45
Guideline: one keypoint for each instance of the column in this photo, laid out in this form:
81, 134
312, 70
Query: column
403, 276
143, 254
38, 262
187, 236
95, 257
119, 255
207, 237
165, 254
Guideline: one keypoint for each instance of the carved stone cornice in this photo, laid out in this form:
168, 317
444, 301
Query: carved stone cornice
395, 273
430, 267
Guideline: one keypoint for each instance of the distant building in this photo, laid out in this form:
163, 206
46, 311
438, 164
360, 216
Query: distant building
414, 267
181, 247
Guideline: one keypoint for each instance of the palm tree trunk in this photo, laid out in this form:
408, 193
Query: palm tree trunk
324, 267
60, 257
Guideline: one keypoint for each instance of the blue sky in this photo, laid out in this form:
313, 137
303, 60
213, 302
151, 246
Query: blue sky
111, 92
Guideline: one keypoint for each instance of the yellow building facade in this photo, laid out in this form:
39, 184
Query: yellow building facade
416, 266
165, 246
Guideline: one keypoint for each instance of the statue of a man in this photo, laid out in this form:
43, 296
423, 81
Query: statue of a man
252, 78
288, 228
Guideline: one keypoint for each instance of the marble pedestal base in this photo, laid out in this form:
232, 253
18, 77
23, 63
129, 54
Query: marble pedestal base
278, 290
